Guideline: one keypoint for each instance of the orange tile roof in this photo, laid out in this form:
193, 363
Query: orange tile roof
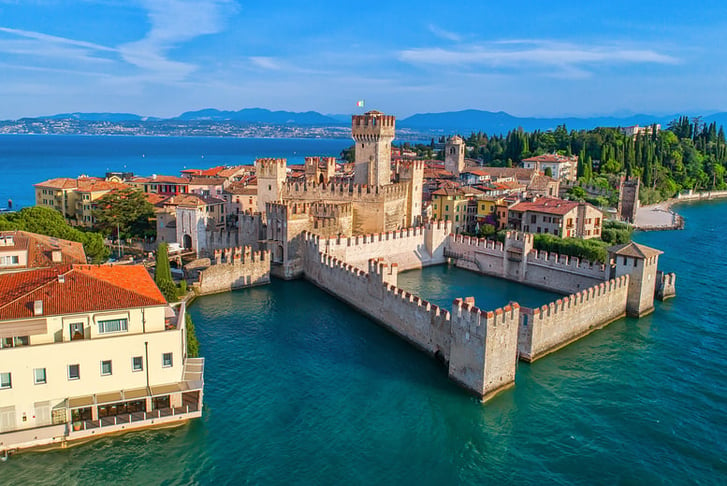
58, 183
548, 205
40, 249
85, 288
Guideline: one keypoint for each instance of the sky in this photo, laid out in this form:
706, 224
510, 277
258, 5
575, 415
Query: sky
528, 58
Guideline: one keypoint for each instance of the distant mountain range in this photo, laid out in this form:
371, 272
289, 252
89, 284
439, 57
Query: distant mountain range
461, 122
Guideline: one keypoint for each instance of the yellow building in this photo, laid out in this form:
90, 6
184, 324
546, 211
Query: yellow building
88, 350
74, 198
451, 204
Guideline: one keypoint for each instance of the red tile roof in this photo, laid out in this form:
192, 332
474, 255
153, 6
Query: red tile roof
552, 158
548, 205
86, 288
40, 249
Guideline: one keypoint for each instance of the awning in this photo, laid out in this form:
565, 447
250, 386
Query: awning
32, 327
165, 389
134, 394
112, 397
80, 402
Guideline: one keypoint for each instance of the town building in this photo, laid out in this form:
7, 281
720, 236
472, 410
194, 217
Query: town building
161, 184
454, 155
74, 198
190, 220
567, 219
562, 167
455, 204
635, 130
88, 350
21, 250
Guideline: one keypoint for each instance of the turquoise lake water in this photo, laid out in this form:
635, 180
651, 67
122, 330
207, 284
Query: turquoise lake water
300, 389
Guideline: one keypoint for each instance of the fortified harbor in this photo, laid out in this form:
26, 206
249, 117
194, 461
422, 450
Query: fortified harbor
352, 240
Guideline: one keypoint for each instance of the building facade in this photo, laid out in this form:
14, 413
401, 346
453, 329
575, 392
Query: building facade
87, 350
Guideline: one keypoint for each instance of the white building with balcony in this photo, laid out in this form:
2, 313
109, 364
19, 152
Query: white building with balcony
89, 350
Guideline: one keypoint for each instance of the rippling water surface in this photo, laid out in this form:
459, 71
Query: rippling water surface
300, 389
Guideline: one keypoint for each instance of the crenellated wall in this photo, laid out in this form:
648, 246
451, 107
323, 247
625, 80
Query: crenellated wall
483, 354
551, 271
409, 248
480, 347
550, 327
234, 268
665, 285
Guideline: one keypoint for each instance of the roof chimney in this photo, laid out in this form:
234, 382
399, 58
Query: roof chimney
56, 256
38, 308
61, 278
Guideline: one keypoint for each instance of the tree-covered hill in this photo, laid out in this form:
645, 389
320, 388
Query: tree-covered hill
688, 154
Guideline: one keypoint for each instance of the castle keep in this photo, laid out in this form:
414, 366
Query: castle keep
352, 239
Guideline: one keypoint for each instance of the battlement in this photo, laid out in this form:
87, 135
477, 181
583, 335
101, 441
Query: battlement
548, 328
479, 243
268, 167
372, 123
517, 236
575, 264
411, 165
344, 192
319, 162
665, 285
239, 255
578, 299
476, 321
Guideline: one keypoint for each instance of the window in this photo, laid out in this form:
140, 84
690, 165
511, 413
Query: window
137, 363
39, 375
115, 325
9, 260
533, 219
76, 330
21, 340
105, 368
166, 360
5, 380
74, 372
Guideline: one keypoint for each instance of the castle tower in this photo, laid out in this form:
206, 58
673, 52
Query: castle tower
454, 151
515, 257
271, 176
413, 174
639, 262
628, 199
373, 133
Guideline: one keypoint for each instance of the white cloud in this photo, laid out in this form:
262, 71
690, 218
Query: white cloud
265, 62
568, 60
444, 34
173, 22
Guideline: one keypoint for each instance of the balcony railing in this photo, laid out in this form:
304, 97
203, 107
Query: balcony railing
128, 418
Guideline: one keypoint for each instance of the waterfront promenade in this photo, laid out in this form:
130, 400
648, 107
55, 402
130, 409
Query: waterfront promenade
661, 216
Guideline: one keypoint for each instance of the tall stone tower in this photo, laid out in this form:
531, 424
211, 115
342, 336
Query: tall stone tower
639, 262
454, 151
271, 175
373, 133
413, 174
628, 199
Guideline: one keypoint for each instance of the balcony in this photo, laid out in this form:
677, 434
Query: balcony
174, 316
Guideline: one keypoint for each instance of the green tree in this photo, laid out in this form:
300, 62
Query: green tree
192, 341
163, 274
128, 210
49, 222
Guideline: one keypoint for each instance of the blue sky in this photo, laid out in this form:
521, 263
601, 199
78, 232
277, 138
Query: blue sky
164, 57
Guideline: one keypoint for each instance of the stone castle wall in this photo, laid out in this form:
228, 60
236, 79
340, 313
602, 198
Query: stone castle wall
241, 268
548, 328
549, 271
409, 248
665, 285
479, 347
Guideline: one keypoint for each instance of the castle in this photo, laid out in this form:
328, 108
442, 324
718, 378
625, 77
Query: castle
352, 239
